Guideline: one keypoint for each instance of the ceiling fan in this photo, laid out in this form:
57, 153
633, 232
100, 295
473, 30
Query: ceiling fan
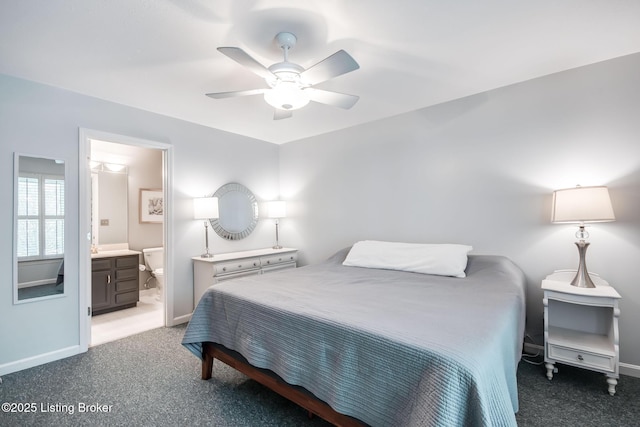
290, 85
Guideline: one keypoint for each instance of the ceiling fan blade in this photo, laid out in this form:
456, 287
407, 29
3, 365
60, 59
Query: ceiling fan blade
335, 99
333, 66
221, 95
279, 114
244, 59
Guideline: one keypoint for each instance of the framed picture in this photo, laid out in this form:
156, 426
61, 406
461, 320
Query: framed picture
151, 206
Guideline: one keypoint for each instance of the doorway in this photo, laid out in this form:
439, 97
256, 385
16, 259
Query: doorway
146, 166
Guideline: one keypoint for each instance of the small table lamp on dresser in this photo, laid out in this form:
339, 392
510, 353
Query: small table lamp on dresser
205, 208
277, 209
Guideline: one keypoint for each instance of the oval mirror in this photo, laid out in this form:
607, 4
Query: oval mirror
238, 212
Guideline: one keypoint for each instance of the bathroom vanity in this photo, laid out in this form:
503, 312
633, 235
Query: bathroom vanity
209, 271
115, 283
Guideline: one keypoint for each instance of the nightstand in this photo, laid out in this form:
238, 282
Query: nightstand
581, 326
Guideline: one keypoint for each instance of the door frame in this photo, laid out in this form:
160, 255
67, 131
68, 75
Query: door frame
84, 204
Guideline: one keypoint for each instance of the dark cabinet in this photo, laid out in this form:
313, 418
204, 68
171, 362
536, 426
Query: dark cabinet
100, 295
114, 283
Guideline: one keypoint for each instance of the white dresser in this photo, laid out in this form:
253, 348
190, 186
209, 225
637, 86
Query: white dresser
581, 326
209, 271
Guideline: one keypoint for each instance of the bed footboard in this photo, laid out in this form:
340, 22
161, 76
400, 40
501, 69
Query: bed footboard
269, 379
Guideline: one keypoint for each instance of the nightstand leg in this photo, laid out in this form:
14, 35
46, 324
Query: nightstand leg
550, 370
612, 385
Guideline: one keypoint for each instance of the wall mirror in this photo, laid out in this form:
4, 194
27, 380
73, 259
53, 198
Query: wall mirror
109, 206
38, 228
238, 212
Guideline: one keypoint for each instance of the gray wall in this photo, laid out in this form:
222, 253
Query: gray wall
44, 121
481, 171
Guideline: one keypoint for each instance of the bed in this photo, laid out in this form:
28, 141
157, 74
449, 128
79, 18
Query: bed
374, 346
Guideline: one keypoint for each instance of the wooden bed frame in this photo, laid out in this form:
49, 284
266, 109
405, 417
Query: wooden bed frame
269, 379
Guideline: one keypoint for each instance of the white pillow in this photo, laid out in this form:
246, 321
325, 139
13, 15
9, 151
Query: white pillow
438, 259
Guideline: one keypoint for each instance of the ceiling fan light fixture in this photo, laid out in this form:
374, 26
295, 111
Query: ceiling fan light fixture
291, 86
286, 96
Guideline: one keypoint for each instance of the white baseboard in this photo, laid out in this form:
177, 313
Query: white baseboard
181, 319
629, 369
38, 360
624, 368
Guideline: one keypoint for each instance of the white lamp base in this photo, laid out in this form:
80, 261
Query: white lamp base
207, 254
277, 245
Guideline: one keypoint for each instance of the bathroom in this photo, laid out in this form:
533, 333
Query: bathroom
127, 219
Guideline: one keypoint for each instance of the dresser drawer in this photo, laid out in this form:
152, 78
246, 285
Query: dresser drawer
101, 264
243, 264
127, 261
127, 297
575, 357
126, 285
131, 273
243, 273
278, 259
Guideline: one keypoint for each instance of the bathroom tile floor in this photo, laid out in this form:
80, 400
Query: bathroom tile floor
147, 315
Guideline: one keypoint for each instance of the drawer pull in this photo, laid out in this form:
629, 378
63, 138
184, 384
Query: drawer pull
224, 268
240, 266
580, 358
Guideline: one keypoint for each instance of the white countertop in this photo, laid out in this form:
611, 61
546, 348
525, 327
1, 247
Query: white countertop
115, 252
115, 249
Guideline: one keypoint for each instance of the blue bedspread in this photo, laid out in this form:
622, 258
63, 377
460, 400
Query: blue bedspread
387, 347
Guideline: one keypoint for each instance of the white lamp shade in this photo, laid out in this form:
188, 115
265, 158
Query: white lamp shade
277, 209
205, 207
582, 204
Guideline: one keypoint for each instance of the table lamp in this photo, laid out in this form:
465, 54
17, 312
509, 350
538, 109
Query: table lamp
582, 205
205, 208
277, 209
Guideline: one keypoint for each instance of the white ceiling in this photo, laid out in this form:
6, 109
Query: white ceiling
160, 55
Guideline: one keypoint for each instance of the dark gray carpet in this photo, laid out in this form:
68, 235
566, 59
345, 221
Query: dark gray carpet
151, 380
575, 397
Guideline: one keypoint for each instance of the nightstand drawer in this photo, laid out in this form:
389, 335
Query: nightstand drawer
238, 265
582, 358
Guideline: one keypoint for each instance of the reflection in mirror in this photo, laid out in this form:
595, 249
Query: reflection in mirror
39, 212
238, 212
109, 207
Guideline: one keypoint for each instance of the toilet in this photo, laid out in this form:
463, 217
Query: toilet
154, 263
